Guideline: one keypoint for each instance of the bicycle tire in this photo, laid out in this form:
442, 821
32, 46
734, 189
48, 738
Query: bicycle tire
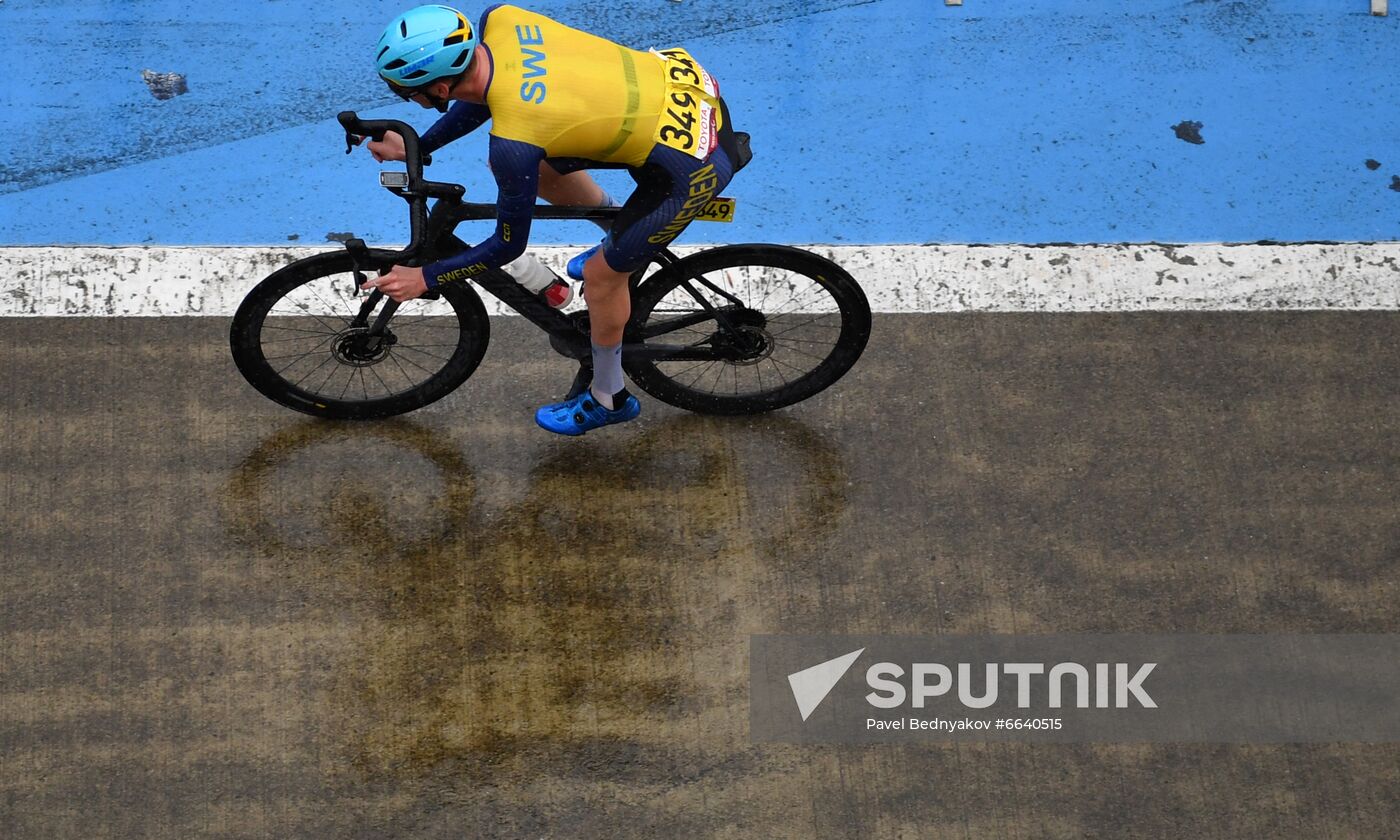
663, 380
247, 342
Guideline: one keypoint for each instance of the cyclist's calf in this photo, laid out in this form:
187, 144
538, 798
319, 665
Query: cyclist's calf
609, 300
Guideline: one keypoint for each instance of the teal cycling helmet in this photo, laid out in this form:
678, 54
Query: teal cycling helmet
423, 45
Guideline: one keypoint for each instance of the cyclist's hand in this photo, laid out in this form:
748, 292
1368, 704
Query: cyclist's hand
390, 148
401, 283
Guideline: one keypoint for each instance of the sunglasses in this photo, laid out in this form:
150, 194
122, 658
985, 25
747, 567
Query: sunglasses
406, 93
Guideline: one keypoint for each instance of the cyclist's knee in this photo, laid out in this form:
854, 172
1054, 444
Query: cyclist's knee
600, 275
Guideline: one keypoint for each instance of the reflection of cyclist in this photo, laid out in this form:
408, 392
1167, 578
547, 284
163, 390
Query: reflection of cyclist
562, 101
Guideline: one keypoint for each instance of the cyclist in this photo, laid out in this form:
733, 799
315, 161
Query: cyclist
562, 101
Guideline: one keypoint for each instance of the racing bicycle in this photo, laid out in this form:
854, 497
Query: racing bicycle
736, 329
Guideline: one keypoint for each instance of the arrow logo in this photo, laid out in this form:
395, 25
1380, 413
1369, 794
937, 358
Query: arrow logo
811, 685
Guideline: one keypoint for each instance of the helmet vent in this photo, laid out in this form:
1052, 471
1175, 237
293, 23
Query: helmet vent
461, 59
416, 73
395, 64
403, 28
453, 39
381, 53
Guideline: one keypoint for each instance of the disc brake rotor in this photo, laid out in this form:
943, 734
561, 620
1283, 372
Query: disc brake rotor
749, 342
357, 348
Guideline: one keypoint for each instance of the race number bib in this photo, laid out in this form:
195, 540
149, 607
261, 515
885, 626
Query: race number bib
690, 113
718, 210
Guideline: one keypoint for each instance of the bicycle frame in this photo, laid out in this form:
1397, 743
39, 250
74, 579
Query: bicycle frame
433, 238
566, 332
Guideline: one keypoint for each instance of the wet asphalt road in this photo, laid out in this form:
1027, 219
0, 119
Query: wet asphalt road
221, 619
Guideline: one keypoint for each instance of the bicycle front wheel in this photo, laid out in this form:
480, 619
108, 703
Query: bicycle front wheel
777, 325
296, 338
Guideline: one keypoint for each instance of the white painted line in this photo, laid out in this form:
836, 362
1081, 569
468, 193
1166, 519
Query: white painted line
1378, 7
897, 278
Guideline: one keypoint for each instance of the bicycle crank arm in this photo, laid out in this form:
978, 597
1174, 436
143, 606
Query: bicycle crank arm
582, 380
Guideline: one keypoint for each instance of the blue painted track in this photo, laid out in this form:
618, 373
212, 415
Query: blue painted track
873, 122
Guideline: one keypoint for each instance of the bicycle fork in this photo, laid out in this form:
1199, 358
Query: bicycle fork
374, 338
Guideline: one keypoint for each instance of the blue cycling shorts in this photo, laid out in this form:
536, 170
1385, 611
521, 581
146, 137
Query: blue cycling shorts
672, 188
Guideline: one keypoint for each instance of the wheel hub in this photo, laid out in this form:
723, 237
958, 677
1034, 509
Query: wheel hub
749, 342
357, 348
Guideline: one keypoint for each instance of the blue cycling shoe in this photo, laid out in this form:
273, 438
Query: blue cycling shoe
583, 413
575, 266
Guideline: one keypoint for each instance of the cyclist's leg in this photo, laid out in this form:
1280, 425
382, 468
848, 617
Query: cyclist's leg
563, 182
656, 184
672, 188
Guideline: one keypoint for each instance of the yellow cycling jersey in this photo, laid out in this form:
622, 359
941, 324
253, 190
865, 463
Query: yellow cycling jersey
578, 95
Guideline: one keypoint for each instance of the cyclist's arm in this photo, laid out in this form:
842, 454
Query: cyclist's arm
463, 117
516, 166
460, 120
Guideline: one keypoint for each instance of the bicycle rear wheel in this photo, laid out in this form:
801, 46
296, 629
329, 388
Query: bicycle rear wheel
295, 340
796, 323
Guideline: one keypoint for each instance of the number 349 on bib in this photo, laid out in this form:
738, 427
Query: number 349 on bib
718, 210
689, 119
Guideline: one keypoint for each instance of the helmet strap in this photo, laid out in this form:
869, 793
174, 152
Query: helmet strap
441, 104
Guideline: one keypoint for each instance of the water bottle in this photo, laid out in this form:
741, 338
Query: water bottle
529, 272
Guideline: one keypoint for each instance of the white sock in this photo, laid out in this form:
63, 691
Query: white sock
607, 373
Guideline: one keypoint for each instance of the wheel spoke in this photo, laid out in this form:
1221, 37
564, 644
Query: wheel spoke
701, 374
719, 375
424, 352
268, 326
778, 370
307, 313
786, 365
329, 306
686, 370
807, 323
330, 328
307, 375
374, 369
303, 355
406, 378
808, 355
803, 341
